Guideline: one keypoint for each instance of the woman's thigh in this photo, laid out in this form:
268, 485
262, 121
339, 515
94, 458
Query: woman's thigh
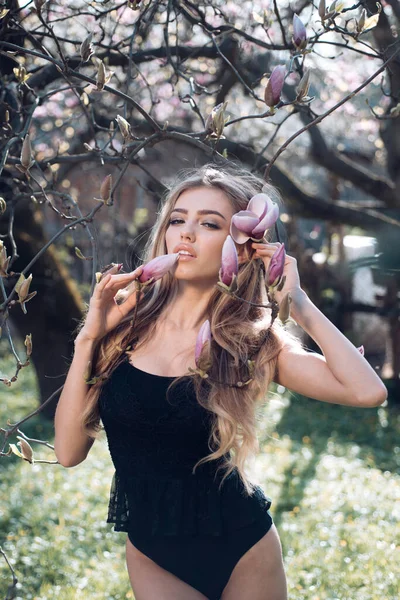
259, 574
149, 581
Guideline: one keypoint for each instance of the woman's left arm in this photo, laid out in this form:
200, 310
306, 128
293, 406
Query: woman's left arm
342, 375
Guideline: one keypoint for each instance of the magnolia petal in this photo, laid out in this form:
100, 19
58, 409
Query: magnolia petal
268, 221
259, 204
245, 221
276, 265
229, 261
158, 267
203, 336
237, 235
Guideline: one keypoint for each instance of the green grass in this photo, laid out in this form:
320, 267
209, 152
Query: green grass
332, 473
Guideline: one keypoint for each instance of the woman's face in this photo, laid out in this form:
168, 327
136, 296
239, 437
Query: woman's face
201, 219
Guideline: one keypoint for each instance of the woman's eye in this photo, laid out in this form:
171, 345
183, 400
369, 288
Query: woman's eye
211, 225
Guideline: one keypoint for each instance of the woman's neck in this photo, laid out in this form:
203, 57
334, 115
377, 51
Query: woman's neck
187, 311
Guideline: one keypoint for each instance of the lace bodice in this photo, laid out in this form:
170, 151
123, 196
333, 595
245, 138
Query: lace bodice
154, 442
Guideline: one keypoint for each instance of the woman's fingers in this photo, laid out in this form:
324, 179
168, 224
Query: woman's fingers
123, 279
114, 282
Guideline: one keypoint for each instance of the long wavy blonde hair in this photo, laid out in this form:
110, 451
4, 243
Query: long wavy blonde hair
239, 330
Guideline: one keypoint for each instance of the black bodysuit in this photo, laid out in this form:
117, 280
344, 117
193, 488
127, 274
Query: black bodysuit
178, 519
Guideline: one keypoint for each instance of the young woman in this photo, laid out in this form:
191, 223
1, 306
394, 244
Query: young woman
180, 436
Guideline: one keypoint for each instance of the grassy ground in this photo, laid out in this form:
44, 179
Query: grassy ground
331, 471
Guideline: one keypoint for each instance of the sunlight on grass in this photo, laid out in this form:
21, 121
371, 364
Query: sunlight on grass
332, 473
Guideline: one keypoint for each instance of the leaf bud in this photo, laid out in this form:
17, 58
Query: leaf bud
79, 254
26, 449
28, 344
284, 308
21, 74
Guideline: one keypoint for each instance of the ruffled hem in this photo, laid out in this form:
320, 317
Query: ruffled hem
190, 505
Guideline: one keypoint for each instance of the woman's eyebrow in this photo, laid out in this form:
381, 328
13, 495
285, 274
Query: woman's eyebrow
204, 211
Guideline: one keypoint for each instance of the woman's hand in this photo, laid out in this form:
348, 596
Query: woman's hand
292, 282
104, 314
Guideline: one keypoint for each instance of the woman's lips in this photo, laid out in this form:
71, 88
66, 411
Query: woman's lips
186, 257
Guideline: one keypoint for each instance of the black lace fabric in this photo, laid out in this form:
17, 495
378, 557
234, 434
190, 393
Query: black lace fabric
154, 444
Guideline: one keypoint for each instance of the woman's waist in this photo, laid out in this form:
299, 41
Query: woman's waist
168, 466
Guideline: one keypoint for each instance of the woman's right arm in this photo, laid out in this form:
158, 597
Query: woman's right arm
72, 444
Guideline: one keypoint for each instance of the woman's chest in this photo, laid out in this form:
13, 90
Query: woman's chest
165, 355
143, 404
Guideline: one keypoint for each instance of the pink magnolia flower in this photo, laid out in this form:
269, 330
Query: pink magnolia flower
299, 33
153, 270
275, 267
202, 352
158, 267
230, 264
273, 89
261, 214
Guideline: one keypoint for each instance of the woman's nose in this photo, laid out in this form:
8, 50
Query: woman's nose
187, 234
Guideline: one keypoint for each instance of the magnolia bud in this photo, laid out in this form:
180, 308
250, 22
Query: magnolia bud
124, 127
361, 20
86, 48
4, 260
230, 264
203, 357
111, 269
88, 371
216, 120
158, 267
22, 289
276, 266
322, 9
273, 89
299, 33
105, 189
284, 308
26, 154
102, 76
302, 89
